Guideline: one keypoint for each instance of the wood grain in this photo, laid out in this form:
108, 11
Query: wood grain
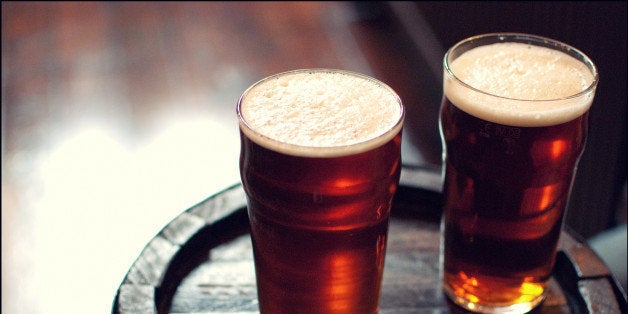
213, 271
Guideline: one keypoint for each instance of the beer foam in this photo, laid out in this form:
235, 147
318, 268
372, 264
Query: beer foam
320, 113
535, 84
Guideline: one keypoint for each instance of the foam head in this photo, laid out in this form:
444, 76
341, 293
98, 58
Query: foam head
519, 84
320, 113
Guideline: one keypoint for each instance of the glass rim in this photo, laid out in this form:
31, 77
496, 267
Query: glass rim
533, 40
320, 151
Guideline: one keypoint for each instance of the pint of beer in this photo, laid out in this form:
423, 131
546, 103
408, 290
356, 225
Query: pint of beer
513, 122
320, 163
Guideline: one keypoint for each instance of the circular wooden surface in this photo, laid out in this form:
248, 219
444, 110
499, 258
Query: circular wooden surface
202, 262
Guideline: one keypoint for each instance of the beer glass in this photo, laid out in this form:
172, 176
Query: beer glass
320, 163
513, 122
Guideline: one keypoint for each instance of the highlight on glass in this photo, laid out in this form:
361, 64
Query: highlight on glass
513, 123
320, 162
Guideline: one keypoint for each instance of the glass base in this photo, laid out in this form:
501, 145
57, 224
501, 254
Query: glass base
492, 308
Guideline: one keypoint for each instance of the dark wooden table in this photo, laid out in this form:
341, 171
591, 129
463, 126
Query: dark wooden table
202, 262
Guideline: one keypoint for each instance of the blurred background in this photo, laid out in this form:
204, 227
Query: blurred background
118, 116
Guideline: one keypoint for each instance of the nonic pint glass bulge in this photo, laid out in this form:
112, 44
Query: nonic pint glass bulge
513, 122
320, 162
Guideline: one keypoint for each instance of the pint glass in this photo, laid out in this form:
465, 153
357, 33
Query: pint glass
320, 163
513, 122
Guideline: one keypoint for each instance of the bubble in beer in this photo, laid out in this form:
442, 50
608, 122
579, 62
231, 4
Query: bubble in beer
534, 85
321, 109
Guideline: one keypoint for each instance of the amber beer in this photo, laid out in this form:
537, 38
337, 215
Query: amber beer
514, 123
320, 163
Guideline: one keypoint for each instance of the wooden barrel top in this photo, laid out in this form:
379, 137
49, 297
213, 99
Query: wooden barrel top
202, 261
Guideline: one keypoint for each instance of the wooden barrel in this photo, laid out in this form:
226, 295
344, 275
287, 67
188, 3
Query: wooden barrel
202, 262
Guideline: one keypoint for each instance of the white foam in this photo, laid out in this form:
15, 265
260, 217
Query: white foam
535, 84
320, 113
